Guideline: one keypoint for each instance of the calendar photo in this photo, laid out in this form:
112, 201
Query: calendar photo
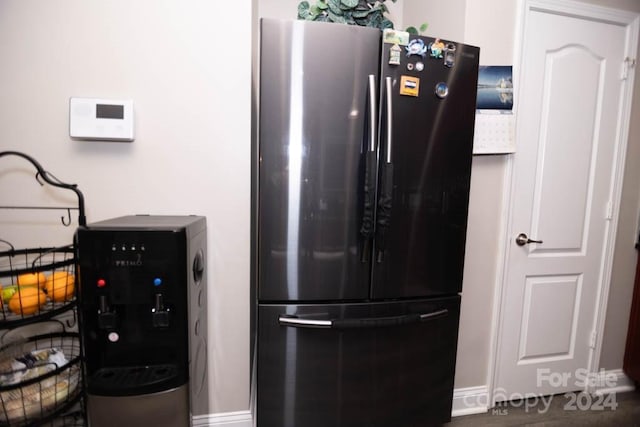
495, 88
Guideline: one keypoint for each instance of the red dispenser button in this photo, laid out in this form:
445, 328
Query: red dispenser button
101, 283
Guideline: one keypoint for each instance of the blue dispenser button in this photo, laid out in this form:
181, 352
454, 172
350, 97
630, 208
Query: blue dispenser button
157, 281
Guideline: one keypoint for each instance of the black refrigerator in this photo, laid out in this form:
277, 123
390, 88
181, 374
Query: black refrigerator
361, 190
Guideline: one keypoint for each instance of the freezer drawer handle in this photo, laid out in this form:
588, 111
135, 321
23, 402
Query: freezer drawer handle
371, 322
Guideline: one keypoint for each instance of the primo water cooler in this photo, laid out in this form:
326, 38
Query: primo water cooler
143, 312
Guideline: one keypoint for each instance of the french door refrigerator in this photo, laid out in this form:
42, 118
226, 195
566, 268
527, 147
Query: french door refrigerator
362, 178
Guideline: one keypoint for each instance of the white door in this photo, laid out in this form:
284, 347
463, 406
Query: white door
569, 131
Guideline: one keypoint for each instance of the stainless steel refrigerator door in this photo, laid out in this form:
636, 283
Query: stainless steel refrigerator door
343, 365
314, 121
432, 139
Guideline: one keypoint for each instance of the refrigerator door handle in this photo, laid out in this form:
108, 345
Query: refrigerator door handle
372, 113
389, 91
385, 200
367, 227
368, 322
296, 322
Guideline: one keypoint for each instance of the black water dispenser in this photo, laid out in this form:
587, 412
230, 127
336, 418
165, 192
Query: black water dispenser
143, 319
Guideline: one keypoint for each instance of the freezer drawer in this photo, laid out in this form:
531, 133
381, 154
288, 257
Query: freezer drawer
371, 364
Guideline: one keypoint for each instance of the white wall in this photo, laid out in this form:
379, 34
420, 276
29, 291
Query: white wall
187, 66
445, 19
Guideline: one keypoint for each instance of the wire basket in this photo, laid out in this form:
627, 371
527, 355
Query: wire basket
72, 419
36, 283
40, 378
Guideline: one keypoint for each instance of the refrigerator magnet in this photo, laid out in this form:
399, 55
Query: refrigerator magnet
395, 37
419, 66
416, 47
410, 66
442, 90
449, 55
394, 55
436, 49
409, 85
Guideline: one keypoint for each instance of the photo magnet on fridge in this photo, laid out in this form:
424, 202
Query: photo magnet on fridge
394, 55
395, 37
409, 85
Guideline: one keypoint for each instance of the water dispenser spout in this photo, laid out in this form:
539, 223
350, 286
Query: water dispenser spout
106, 318
159, 315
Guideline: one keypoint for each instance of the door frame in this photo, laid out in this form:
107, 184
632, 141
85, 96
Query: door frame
631, 21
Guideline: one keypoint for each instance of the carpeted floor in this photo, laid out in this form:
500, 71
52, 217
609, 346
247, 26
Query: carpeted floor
620, 410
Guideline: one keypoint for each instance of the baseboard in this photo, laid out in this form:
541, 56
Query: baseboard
466, 401
470, 400
475, 400
612, 381
224, 419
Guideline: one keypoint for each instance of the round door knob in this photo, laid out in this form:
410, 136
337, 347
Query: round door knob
523, 239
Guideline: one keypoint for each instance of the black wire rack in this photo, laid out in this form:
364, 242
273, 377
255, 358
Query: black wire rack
40, 376
36, 284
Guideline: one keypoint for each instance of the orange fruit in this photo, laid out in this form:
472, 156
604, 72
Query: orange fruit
60, 286
27, 300
32, 279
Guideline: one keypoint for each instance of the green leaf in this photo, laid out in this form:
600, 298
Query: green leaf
361, 13
374, 20
412, 30
424, 27
303, 10
336, 18
369, 13
334, 6
348, 18
386, 24
349, 3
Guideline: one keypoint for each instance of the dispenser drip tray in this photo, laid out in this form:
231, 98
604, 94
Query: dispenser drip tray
133, 379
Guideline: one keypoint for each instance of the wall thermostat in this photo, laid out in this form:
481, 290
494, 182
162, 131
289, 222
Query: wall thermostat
101, 119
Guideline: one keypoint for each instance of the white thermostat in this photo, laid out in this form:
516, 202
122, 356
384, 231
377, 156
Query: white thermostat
101, 119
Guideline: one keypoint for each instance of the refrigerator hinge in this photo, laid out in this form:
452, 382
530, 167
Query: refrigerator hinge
592, 339
627, 64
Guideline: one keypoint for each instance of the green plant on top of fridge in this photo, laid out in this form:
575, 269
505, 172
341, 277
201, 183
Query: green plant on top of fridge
366, 13
418, 31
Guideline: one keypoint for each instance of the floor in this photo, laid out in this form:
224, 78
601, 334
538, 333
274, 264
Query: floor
619, 410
